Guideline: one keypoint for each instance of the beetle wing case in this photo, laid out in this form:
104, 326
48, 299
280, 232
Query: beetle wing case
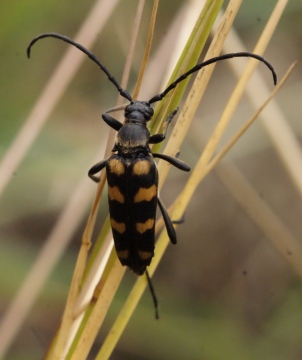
132, 195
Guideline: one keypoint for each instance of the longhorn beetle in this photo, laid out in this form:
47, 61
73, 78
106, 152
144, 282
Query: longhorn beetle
131, 171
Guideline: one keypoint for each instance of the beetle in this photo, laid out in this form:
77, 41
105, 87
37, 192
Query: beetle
131, 170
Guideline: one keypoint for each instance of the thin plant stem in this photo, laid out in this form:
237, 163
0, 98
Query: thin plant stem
58, 240
54, 90
213, 162
140, 284
162, 243
273, 120
193, 99
147, 50
116, 275
263, 216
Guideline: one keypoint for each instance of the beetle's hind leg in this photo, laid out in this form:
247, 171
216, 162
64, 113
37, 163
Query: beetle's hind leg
168, 222
155, 302
97, 168
179, 221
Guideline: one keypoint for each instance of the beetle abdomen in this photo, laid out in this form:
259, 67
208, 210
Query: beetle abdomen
132, 195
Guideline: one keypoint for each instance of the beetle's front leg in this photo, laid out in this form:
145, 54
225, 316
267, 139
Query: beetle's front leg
97, 168
157, 138
173, 161
112, 122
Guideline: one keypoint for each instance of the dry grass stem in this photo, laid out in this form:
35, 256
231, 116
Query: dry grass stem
74, 210
98, 313
54, 90
100, 307
161, 245
273, 120
98, 272
164, 58
200, 169
262, 215
147, 50
187, 60
203, 76
236, 137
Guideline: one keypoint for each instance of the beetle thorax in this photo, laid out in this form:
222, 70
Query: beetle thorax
133, 137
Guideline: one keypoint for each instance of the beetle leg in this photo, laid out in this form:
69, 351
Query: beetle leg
173, 161
169, 226
157, 138
112, 122
95, 169
155, 302
179, 221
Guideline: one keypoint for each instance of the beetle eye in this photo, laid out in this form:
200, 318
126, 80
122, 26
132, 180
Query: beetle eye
127, 109
148, 112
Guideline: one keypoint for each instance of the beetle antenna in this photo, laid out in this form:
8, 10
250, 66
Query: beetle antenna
123, 93
155, 302
213, 60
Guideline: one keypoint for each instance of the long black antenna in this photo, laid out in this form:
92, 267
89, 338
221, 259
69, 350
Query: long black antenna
124, 93
197, 67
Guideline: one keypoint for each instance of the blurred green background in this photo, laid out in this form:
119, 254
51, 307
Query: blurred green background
224, 290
